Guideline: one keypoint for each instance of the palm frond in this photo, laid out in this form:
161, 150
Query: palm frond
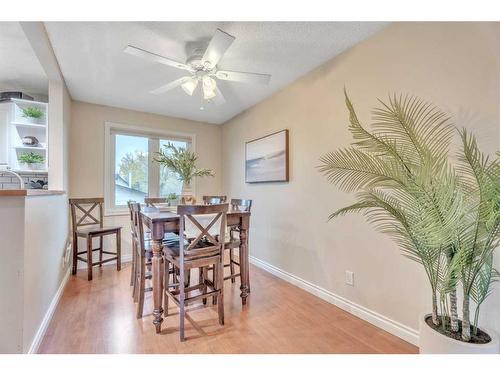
414, 125
354, 169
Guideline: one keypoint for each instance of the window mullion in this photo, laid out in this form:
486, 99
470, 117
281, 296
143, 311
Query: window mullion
154, 168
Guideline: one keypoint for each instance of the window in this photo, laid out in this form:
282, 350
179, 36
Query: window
131, 173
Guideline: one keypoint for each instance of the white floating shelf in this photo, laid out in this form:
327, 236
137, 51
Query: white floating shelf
24, 102
31, 148
31, 171
28, 125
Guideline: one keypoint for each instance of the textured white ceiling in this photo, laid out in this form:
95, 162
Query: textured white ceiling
96, 70
19, 67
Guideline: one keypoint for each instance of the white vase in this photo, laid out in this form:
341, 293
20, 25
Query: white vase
433, 342
187, 196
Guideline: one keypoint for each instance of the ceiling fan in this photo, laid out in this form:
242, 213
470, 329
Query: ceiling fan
202, 67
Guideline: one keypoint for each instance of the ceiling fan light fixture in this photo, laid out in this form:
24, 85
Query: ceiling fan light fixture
209, 86
190, 85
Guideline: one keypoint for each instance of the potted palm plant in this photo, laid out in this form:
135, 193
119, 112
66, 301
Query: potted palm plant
443, 215
182, 162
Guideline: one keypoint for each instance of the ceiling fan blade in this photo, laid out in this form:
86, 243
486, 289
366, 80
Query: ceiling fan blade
218, 99
131, 50
170, 86
255, 78
216, 48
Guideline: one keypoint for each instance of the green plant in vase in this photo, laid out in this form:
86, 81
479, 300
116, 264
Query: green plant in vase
182, 162
32, 112
172, 197
32, 160
445, 218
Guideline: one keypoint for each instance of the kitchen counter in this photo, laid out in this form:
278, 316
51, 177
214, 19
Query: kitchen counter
29, 192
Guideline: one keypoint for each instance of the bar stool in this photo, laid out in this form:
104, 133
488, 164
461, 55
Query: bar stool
232, 240
141, 245
132, 224
214, 199
152, 202
204, 251
82, 216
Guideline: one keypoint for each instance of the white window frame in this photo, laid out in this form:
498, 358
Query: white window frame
112, 128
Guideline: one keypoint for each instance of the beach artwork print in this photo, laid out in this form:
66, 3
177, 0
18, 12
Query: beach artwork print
266, 158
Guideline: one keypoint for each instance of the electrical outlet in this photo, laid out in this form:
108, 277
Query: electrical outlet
349, 278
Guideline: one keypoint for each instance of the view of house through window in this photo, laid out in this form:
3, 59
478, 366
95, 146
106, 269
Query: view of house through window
131, 168
136, 174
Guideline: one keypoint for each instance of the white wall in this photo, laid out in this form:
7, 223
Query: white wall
45, 264
59, 128
86, 169
11, 274
33, 267
454, 65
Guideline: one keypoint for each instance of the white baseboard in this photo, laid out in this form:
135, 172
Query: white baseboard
37, 340
125, 259
402, 331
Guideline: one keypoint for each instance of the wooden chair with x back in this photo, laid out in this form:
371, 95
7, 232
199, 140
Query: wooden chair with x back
143, 255
214, 199
152, 202
203, 251
89, 225
132, 232
232, 240
141, 245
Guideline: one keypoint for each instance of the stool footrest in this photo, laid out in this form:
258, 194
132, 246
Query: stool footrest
97, 263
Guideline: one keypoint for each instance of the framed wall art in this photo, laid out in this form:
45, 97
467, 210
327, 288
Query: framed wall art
266, 158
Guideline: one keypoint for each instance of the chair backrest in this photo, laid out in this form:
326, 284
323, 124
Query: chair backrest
204, 244
86, 211
131, 213
150, 202
241, 204
214, 199
137, 227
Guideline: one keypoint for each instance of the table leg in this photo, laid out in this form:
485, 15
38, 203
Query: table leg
244, 261
157, 283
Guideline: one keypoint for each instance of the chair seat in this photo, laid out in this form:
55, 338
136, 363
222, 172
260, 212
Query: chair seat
172, 248
231, 241
96, 230
170, 239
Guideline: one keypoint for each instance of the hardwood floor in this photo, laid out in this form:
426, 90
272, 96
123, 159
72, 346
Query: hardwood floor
99, 317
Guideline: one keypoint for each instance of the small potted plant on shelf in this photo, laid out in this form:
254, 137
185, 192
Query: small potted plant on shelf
33, 113
173, 199
31, 161
182, 162
444, 215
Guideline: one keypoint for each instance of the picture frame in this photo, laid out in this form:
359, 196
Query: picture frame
267, 158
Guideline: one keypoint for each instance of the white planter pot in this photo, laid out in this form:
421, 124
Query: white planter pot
36, 166
433, 342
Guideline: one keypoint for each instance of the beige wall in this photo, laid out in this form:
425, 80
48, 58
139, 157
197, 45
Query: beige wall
456, 66
87, 151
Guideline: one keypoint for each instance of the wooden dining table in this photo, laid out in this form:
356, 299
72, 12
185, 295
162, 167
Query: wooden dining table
161, 222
